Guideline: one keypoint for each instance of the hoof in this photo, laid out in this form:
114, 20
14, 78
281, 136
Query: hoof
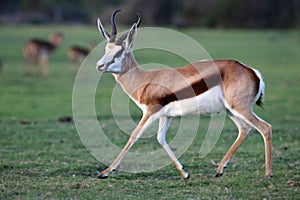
184, 174
102, 176
187, 177
219, 175
269, 176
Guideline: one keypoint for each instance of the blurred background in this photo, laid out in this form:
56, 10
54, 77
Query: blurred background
42, 156
263, 34
277, 14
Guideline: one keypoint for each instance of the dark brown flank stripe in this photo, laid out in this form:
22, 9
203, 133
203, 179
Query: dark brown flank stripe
81, 50
41, 44
155, 103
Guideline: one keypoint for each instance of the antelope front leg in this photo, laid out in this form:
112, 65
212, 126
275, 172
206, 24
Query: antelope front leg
135, 135
164, 123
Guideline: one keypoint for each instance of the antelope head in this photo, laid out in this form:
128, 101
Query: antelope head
56, 38
116, 50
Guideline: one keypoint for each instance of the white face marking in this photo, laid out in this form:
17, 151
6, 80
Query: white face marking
112, 59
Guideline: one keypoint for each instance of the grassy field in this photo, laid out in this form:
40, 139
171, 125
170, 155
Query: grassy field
42, 158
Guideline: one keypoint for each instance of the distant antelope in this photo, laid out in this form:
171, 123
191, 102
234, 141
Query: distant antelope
77, 54
37, 51
204, 87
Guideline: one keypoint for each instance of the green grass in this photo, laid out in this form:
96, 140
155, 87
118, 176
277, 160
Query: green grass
42, 158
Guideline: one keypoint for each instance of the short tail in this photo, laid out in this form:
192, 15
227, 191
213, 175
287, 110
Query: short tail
259, 101
261, 90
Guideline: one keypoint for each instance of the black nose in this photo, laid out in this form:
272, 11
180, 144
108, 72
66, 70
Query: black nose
100, 67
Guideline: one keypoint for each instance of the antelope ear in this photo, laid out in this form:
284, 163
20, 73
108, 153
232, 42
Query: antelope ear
102, 30
131, 37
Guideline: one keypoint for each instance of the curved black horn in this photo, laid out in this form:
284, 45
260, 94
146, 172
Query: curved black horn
139, 19
123, 37
113, 23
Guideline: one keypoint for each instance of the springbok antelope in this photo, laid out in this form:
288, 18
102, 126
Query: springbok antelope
37, 51
204, 87
77, 54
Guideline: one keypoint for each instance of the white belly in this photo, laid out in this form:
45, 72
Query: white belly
208, 103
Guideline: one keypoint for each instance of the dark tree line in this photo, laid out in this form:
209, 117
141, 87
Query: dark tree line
208, 13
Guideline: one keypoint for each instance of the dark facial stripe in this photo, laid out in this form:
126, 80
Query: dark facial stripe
117, 55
